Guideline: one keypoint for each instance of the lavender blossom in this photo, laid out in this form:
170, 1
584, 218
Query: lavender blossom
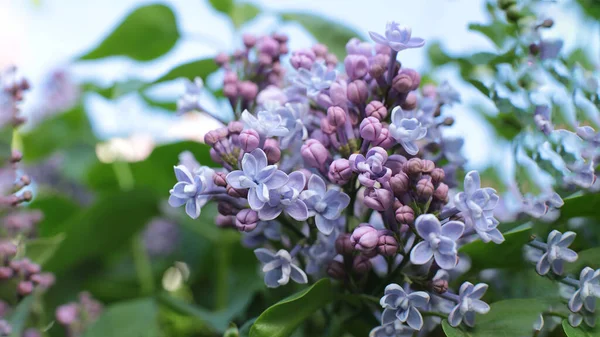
316, 80
406, 130
392, 330
371, 168
258, 177
477, 206
469, 303
439, 241
286, 198
189, 191
264, 231
266, 123
398, 305
278, 268
557, 251
325, 205
589, 290
190, 101
397, 37
447, 94
320, 254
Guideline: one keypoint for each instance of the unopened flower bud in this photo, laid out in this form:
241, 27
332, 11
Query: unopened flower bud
237, 193
6, 273
225, 221
361, 265
249, 40
315, 154
357, 66
219, 179
230, 90
438, 286
27, 196
336, 116
248, 90
424, 189
370, 128
230, 77
400, 184
378, 199
441, 193
365, 238
7, 249
24, 288
428, 166
413, 167
268, 45
376, 109
320, 49
405, 215
331, 60
340, 171
212, 137
378, 65
303, 59
343, 244
226, 208
336, 270
437, 176
44, 280
16, 156
357, 91
221, 59
272, 151
387, 245
67, 314
235, 127
548, 23
385, 140
246, 220
402, 82
338, 93
410, 102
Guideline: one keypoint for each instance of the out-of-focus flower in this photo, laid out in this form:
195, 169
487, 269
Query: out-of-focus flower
267, 123
397, 37
315, 80
557, 252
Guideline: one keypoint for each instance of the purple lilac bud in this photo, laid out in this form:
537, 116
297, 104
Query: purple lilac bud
340, 171
384, 140
410, 103
220, 179
249, 140
325, 205
336, 270
406, 130
315, 154
398, 305
397, 37
336, 116
387, 244
320, 49
557, 251
268, 45
439, 242
25, 288
376, 109
378, 199
303, 59
358, 47
402, 82
248, 90
278, 268
469, 303
441, 193
272, 151
344, 245
424, 189
365, 238
370, 128
361, 265
6, 273
438, 286
67, 314
338, 93
249, 40
357, 92
437, 176
400, 184
356, 66
378, 66
246, 220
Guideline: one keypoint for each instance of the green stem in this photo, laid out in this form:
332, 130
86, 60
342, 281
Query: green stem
554, 313
124, 175
143, 267
223, 257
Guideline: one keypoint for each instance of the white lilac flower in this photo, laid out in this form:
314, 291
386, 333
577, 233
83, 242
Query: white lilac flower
320, 254
190, 191
267, 123
451, 148
439, 242
447, 94
278, 268
190, 100
397, 37
469, 303
258, 177
294, 116
325, 205
286, 198
557, 252
392, 330
589, 290
398, 305
406, 130
477, 207
315, 80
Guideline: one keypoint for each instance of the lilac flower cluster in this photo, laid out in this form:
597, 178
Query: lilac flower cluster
342, 167
76, 317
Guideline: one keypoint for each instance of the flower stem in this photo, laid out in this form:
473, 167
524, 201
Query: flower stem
223, 256
124, 175
142, 265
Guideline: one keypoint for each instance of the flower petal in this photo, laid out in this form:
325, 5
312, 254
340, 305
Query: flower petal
233, 178
297, 210
272, 277
453, 230
268, 212
455, 316
298, 275
543, 265
388, 316
277, 180
428, 224
414, 319
315, 183
445, 261
175, 201
264, 255
419, 299
324, 225
191, 209
183, 174
421, 253
472, 182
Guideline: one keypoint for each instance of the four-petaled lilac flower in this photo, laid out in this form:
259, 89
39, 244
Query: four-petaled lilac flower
188, 191
406, 130
438, 242
258, 177
278, 268
320, 253
190, 101
447, 94
397, 37
477, 207
325, 205
286, 198
266, 123
398, 305
316, 80
556, 253
469, 304
372, 168
392, 330
589, 290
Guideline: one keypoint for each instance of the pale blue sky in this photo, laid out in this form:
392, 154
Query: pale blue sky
49, 35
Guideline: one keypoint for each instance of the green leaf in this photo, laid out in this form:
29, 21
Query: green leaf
587, 258
165, 105
506, 124
437, 55
505, 255
146, 33
56, 209
199, 68
281, 319
242, 13
41, 250
137, 318
497, 32
580, 206
333, 34
506, 318
106, 226
19, 316
580, 331
480, 86
590, 8
223, 6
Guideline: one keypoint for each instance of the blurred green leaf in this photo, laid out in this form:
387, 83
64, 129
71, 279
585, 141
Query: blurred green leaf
223, 6
145, 34
106, 226
169, 106
581, 331
56, 209
281, 319
437, 55
506, 124
19, 316
580, 206
579, 56
137, 318
497, 32
199, 68
506, 318
333, 34
505, 255
242, 13
480, 86
41, 250
590, 8
587, 258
